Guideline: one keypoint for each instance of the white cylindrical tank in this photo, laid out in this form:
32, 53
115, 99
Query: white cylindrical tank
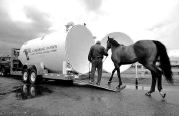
121, 38
52, 50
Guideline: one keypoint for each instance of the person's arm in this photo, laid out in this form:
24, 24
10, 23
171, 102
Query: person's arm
105, 52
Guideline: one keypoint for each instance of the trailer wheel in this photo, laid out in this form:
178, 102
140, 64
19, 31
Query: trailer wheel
25, 76
33, 76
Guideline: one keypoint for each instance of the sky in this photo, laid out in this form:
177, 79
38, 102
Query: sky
22, 20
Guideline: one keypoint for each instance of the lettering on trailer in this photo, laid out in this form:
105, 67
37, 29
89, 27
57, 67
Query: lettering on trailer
43, 50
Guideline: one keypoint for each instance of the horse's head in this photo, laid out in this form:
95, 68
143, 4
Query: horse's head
108, 43
111, 42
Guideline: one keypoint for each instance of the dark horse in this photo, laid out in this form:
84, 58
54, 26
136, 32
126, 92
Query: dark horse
146, 52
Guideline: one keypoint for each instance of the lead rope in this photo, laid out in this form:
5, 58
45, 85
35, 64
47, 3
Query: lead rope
105, 58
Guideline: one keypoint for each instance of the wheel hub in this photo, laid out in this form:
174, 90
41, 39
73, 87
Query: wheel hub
33, 77
25, 76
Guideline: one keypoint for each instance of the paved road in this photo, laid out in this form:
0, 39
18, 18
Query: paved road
56, 98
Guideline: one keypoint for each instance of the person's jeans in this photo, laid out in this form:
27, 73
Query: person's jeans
96, 64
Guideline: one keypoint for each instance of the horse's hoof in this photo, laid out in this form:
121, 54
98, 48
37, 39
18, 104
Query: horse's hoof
148, 94
120, 87
163, 94
109, 82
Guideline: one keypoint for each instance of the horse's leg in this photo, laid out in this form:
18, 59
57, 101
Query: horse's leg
158, 76
152, 88
117, 67
155, 73
110, 80
159, 85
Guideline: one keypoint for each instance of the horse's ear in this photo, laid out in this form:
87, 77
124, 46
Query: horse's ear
108, 38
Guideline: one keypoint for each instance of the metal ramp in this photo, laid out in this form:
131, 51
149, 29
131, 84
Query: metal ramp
103, 85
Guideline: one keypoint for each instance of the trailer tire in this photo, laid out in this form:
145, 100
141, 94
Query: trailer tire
25, 76
33, 76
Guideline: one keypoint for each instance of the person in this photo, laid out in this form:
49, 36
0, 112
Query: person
95, 56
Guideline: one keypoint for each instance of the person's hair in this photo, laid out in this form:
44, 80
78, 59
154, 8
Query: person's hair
98, 42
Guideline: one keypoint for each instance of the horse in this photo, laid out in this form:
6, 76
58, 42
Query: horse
147, 53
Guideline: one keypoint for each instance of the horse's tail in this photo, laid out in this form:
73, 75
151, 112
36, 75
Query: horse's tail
164, 61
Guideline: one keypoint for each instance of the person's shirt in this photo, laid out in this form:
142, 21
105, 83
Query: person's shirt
96, 51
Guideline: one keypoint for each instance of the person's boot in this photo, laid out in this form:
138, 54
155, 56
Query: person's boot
91, 82
98, 83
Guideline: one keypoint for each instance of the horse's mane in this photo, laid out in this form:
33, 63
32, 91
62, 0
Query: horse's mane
114, 42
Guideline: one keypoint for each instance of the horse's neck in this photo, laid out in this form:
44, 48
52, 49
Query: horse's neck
113, 48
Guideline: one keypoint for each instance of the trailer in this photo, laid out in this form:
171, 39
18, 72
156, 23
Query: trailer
62, 54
